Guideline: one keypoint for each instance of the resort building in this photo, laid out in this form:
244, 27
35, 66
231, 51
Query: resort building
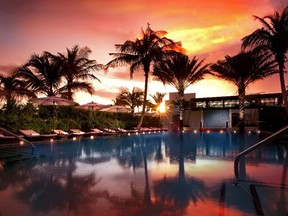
221, 113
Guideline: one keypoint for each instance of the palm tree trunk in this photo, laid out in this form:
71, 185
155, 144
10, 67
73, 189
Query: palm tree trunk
181, 110
241, 92
181, 174
283, 86
147, 193
69, 90
145, 100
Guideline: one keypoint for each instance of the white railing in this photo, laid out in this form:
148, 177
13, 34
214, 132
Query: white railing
256, 146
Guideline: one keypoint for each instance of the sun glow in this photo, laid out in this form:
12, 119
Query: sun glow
162, 108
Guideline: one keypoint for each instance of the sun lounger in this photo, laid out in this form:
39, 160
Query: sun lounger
4, 139
111, 131
60, 134
76, 133
122, 130
58, 131
32, 135
126, 132
94, 132
98, 132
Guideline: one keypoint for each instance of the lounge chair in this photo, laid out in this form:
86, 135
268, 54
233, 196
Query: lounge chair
111, 131
126, 132
4, 139
98, 132
60, 134
32, 135
76, 133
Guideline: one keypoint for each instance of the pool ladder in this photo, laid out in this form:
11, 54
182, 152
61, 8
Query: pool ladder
256, 146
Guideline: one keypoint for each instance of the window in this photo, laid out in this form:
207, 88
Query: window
268, 102
230, 103
201, 104
216, 104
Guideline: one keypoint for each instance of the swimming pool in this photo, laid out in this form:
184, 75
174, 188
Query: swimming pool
152, 174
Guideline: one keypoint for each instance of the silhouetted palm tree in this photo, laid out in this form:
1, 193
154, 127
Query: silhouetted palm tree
77, 69
158, 99
12, 88
243, 69
132, 99
42, 74
178, 70
274, 37
141, 53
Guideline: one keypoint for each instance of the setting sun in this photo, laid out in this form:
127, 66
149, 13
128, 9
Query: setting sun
161, 108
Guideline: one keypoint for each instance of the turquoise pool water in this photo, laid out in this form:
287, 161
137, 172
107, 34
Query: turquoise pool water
151, 174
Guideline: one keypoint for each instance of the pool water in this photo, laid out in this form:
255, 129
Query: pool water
152, 174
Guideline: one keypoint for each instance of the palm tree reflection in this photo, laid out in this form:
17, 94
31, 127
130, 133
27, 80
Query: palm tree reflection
62, 191
137, 204
130, 155
181, 190
141, 203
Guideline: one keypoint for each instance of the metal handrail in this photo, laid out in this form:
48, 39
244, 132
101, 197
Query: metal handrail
257, 145
19, 137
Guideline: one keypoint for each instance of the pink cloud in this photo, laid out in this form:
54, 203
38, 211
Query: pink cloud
7, 69
125, 75
105, 93
35, 26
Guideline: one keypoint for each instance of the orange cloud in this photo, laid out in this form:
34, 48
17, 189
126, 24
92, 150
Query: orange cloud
209, 29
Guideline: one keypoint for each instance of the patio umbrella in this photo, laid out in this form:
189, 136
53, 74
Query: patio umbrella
91, 106
117, 109
52, 101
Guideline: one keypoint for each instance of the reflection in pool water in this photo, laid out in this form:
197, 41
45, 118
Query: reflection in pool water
159, 174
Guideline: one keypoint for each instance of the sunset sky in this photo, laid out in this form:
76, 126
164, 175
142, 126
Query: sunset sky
208, 29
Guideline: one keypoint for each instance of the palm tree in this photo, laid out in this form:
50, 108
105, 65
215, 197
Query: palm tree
243, 69
158, 99
274, 37
12, 88
77, 68
179, 71
142, 53
132, 99
42, 74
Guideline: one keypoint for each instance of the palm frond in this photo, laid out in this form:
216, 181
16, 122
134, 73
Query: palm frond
177, 70
245, 67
